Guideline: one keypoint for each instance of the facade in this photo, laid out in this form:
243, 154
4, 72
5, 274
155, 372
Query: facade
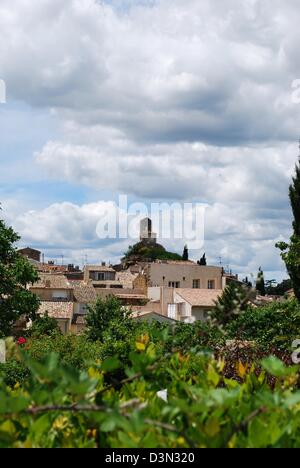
53, 287
101, 276
184, 275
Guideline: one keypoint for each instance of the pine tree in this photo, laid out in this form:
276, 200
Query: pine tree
291, 252
260, 282
185, 255
231, 304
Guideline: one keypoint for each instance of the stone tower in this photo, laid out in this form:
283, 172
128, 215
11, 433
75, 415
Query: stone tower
146, 234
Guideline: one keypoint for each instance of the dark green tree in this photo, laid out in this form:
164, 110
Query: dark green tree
231, 304
291, 252
247, 283
260, 283
185, 255
16, 274
202, 261
105, 313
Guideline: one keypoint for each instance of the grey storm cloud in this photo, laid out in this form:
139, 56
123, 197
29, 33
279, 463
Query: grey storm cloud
172, 71
164, 100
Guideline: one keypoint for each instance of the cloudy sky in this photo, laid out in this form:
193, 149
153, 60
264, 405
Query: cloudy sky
162, 100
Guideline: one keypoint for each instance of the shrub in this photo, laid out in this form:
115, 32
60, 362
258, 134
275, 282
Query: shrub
274, 326
13, 372
44, 326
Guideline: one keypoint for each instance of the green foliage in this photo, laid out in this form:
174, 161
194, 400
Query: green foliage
273, 327
108, 315
13, 372
44, 326
204, 336
291, 252
281, 289
59, 407
231, 304
15, 274
146, 252
72, 350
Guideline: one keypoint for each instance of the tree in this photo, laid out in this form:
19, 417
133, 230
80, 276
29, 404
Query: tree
280, 289
232, 302
247, 283
291, 252
260, 282
103, 314
185, 255
202, 261
15, 274
44, 326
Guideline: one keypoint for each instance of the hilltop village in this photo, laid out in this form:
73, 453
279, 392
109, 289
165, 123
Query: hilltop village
153, 283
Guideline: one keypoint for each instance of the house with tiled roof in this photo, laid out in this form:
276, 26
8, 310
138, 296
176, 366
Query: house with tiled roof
57, 298
62, 312
84, 294
101, 276
191, 305
53, 287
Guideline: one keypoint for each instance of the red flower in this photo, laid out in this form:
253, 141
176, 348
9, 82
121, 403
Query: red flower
22, 341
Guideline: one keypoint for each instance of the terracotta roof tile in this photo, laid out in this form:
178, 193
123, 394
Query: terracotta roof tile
200, 297
99, 268
126, 278
52, 281
84, 293
57, 310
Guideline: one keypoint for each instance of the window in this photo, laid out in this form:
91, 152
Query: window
211, 284
59, 296
102, 275
196, 284
174, 284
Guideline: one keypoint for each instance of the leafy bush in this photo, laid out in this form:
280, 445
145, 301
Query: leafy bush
13, 372
104, 315
273, 327
62, 407
72, 350
44, 326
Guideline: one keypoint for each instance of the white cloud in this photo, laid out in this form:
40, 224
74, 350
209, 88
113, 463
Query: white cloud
163, 100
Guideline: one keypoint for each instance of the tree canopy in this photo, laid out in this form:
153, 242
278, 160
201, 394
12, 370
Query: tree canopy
15, 274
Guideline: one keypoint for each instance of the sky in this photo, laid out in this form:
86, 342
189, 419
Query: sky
161, 100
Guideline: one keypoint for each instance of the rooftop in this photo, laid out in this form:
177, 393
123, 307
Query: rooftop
84, 293
100, 268
52, 281
57, 310
200, 297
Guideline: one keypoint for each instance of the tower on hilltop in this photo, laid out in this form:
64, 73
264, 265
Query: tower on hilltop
146, 234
